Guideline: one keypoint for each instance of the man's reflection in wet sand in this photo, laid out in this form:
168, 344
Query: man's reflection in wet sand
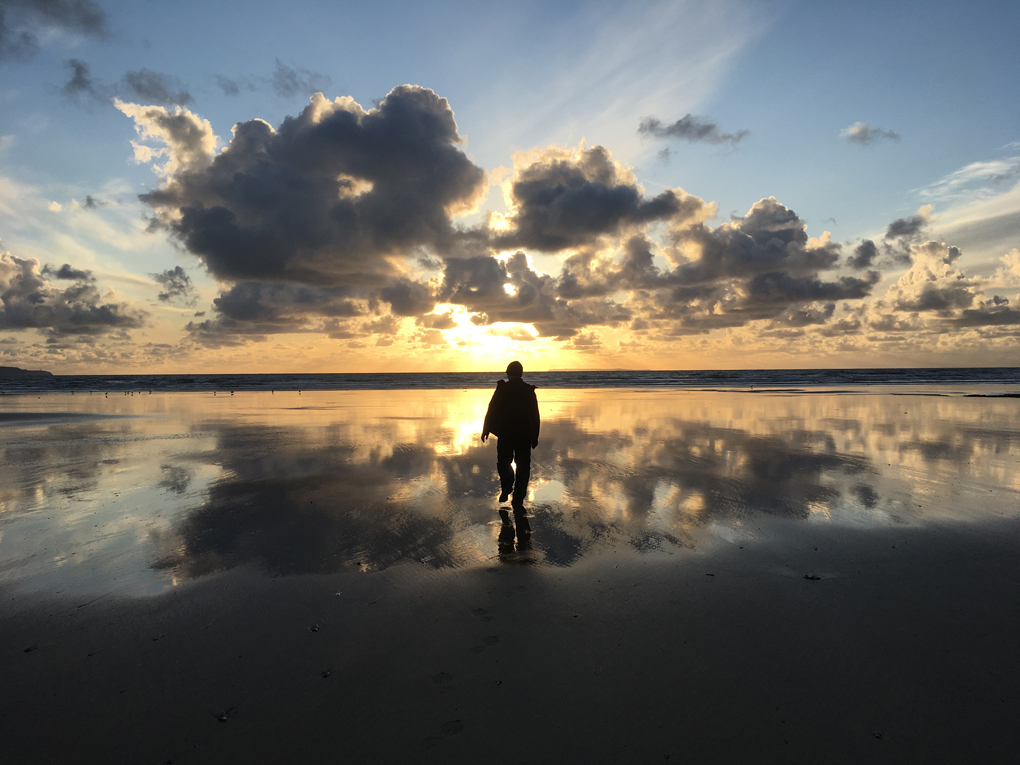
366, 481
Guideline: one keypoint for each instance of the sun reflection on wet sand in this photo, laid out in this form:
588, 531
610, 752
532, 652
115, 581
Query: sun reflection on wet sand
137, 493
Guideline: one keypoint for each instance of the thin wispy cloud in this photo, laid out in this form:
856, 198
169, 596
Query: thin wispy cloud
25, 24
975, 180
143, 84
155, 88
627, 62
691, 129
286, 82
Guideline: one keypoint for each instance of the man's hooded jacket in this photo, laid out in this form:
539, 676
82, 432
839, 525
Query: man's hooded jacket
513, 412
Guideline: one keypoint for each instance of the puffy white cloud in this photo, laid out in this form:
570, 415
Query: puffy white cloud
1008, 274
188, 141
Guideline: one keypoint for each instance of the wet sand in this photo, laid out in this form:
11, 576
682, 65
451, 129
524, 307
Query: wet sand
775, 578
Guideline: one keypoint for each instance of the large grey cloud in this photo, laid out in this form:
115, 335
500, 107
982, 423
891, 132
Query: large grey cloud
761, 266
568, 199
692, 129
28, 300
341, 223
254, 310
935, 296
24, 22
328, 197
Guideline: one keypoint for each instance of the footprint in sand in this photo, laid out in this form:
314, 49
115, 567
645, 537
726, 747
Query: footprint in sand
444, 680
487, 641
446, 730
482, 614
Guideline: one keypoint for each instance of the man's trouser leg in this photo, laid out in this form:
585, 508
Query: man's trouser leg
522, 458
504, 456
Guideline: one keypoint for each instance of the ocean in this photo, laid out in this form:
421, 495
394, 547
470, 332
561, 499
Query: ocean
695, 380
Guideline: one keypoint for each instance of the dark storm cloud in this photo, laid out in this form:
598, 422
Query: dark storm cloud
154, 88
863, 134
29, 301
328, 197
23, 22
565, 200
864, 255
691, 129
67, 271
177, 287
288, 81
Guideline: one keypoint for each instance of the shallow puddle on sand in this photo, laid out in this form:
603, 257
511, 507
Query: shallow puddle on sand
138, 493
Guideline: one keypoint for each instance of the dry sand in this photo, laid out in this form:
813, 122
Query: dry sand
827, 583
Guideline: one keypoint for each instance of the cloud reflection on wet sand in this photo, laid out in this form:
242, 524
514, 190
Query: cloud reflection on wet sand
364, 480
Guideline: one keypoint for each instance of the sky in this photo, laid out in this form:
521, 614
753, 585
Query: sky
446, 186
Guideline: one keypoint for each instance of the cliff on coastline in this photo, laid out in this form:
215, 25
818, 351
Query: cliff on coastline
18, 372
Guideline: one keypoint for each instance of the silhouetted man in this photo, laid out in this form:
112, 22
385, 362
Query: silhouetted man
513, 417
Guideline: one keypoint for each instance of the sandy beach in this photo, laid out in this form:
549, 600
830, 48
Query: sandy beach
824, 576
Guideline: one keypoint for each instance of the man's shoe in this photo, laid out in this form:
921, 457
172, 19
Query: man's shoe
504, 496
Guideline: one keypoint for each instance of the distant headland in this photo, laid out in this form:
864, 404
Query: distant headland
18, 372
